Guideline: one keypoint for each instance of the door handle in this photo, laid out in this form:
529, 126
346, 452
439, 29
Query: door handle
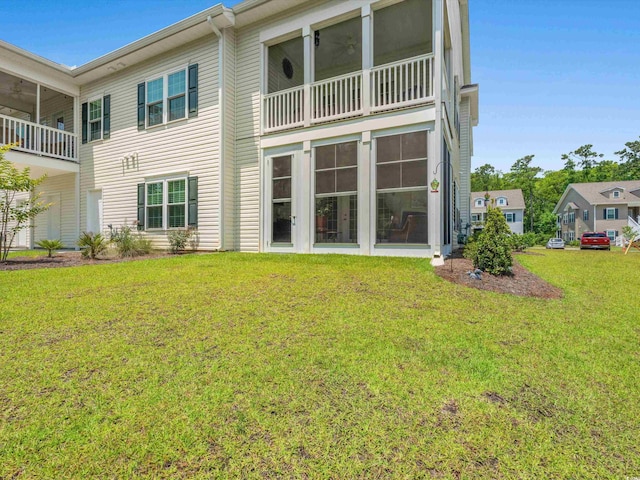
293, 219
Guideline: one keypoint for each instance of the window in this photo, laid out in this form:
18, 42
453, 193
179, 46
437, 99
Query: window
612, 234
616, 194
475, 217
572, 217
585, 215
401, 188
565, 218
336, 180
166, 98
572, 236
610, 213
502, 201
479, 202
166, 204
510, 217
95, 119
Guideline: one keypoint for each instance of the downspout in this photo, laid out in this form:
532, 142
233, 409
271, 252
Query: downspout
221, 131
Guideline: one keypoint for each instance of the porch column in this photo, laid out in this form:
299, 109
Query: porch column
308, 63
37, 122
435, 140
367, 58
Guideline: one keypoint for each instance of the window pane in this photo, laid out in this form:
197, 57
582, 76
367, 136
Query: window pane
282, 188
154, 194
177, 108
155, 114
154, 91
176, 83
154, 217
282, 166
388, 149
326, 181
176, 190
325, 157
347, 180
414, 174
388, 176
95, 110
176, 216
281, 231
337, 219
402, 217
346, 154
414, 145
96, 130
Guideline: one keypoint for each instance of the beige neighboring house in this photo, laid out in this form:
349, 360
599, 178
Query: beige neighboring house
511, 202
300, 126
598, 207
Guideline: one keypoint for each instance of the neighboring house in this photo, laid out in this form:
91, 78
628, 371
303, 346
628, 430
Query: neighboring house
511, 202
597, 207
277, 125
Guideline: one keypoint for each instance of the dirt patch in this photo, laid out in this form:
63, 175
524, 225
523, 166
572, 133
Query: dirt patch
69, 259
522, 282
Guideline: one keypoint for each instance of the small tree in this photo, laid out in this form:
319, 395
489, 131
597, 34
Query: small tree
50, 246
15, 217
492, 249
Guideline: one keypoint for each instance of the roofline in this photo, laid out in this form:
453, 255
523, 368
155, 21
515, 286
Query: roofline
35, 58
466, 40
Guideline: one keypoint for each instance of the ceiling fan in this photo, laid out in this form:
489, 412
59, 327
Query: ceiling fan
16, 89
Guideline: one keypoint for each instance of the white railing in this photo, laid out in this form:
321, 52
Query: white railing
401, 84
38, 139
284, 109
336, 98
395, 85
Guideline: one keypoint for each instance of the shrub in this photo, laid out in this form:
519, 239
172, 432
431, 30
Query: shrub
178, 239
491, 251
92, 245
519, 242
130, 244
50, 246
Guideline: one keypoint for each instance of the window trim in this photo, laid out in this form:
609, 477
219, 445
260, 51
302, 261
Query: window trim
511, 215
616, 194
91, 100
613, 213
585, 215
165, 202
165, 96
611, 238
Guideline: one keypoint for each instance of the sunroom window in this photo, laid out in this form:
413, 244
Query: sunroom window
285, 65
401, 188
338, 49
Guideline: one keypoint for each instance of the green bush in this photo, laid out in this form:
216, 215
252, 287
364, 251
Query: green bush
491, 251
519, 243
129, 244
92, 244
178, 239
50, 246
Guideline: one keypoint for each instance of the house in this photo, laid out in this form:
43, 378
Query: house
598, 207
511, 202
274, 126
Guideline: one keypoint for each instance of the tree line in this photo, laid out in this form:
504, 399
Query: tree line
542, 189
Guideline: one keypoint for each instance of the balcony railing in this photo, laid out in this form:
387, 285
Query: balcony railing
38, 139
395, 85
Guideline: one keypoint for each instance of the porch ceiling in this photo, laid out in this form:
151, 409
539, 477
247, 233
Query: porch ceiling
41, 165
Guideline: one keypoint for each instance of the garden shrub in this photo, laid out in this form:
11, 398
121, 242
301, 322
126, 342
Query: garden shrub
92, 244
491, 251
178, 239
129, 244
50, 246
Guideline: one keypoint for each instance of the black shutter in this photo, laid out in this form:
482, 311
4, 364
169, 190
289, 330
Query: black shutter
85, 121
193, 90
141, 206
193, 202
616, 214
604, 213
141, 106
106, 117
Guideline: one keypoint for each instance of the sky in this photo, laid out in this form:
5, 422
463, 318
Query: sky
553, 74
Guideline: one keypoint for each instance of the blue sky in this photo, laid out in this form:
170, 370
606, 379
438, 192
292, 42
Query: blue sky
553, 75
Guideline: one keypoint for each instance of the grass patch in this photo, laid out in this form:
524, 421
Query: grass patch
239, 365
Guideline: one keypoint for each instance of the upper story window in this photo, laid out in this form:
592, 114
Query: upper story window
585, 215
572, 217
502, 201
96, 119
479, 202
616, 194
168, 97
610, 214
510, 217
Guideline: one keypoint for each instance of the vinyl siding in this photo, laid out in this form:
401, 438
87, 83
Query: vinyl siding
229, 96
188, 146
64, 186
59, 104
465, 162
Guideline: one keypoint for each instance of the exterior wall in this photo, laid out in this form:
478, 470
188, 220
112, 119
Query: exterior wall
60, 190
602, 224
229, 207
518, 225
465, 164
61, 104
188, 146
580, 225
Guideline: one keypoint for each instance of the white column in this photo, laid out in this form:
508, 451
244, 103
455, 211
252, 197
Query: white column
366, 196
37, 122
367, 58
306, 211
435, 138
308, 77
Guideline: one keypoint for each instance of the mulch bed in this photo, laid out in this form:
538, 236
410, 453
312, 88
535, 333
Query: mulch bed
522, 282
68, 259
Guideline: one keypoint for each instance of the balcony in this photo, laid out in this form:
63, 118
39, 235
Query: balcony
38, 139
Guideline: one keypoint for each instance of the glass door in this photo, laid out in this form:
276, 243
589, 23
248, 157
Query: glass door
282, 218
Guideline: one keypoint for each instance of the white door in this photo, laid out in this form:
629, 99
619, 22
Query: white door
94, 211
53, 217
280, 212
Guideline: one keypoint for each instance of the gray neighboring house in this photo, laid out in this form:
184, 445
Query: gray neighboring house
511, 202
597, 207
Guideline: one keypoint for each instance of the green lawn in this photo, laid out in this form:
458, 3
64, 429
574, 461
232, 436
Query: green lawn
264, 366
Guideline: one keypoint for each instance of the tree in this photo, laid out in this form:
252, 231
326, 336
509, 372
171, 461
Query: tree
585, 158
15, 216
630, 161
486, 177
491, 252
523, 176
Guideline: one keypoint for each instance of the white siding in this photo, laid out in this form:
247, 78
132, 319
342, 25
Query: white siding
465, 162
59, 104
64, 187
229, 95
189, 146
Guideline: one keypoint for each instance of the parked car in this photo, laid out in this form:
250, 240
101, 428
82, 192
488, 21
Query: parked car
555, 243
595, 240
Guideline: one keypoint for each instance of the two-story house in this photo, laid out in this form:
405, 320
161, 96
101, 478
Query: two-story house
510, 202
276, 125
597, 207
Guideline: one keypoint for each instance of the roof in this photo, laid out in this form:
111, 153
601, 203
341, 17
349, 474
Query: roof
596, 193
515, 200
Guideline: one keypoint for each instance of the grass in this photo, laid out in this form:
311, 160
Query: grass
252, 366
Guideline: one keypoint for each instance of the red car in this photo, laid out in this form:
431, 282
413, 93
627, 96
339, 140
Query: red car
595, 240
